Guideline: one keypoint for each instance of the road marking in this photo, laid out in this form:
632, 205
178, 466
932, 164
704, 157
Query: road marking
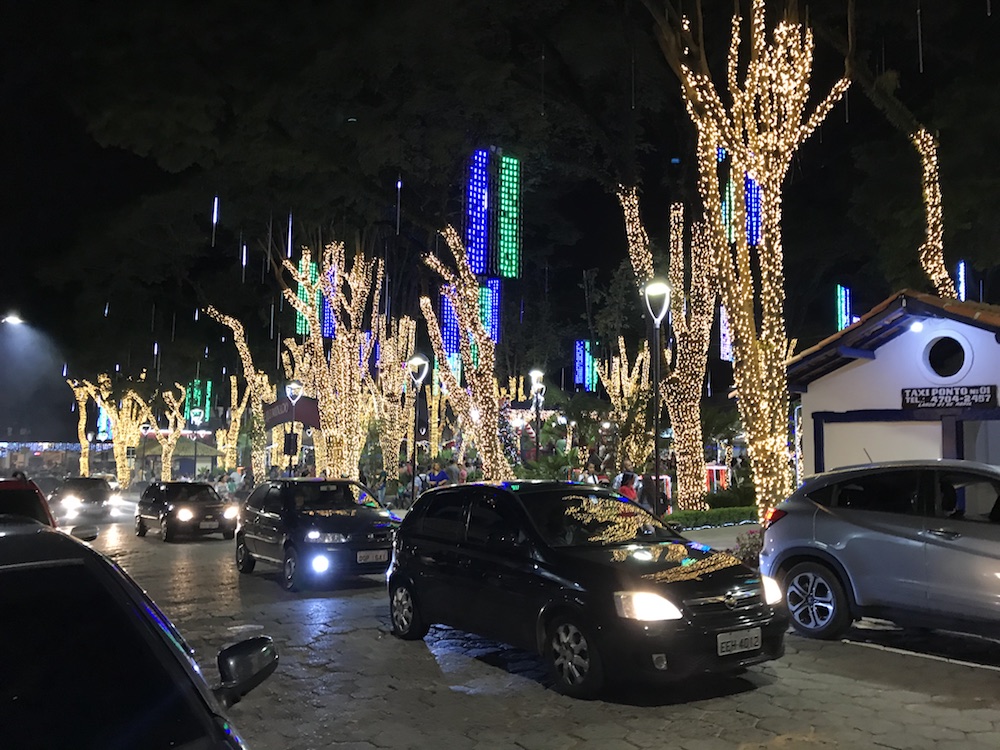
932, 657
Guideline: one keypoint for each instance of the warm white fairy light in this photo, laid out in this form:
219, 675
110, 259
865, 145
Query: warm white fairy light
932, 249
171, 435
261, 391
462, 289
125, 414
761, 130
231, 434
81, 392
392, 400
630, 392
638, 241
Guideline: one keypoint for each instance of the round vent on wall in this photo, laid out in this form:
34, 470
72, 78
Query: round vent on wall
947, 357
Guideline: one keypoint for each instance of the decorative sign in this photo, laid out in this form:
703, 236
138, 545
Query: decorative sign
950, 396
305, 411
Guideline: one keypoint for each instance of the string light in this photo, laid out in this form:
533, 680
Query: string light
629, 389
477, 352
476, 212
123, 419
81, 392
393, 402
169, 437
932, 250
638, 241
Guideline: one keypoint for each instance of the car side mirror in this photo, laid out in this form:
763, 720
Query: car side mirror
85, 533
243, 666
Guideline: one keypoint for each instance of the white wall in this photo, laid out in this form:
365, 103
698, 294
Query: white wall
878, 384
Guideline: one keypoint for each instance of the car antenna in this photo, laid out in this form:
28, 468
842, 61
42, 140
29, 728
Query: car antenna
869, 455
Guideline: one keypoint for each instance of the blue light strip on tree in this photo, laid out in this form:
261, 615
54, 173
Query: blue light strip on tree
329, 319
489, 308
961, 280
752, 197
477, 213
580, 363
725, 336
450, 334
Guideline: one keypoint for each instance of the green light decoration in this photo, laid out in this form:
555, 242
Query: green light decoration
199, 396
509, 218
301, 322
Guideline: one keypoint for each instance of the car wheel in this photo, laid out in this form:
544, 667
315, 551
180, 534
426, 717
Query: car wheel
245, 562
140, 527
573, 658
406, 620
166, 531
816, 601
291, 572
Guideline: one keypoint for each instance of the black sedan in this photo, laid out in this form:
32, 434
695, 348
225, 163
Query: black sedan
184, 509
314, 529
83, 497
90, 662
591, 581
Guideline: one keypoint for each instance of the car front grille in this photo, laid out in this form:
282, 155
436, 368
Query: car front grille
734, 600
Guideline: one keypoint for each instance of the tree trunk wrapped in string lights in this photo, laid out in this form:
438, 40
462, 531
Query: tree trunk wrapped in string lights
341, 369
174, 414
231, 435
478, 403
692, 308
125, 415
261, 391
81, 392
393, 400
297, 364
630, 391
764, 126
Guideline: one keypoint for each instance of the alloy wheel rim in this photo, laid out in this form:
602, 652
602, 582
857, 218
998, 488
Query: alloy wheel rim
571, 654
402, 609
811, 601
241, 553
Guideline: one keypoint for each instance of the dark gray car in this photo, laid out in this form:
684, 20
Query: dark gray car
915, 542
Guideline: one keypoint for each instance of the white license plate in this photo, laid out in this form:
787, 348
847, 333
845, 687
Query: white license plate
209, 525
738, 640
373, 555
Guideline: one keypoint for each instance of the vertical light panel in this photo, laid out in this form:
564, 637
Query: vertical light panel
104, 431
450, 334
477, 213
301, 321
725, 336
509, 219
591, 369
961, 280
752, 196
329, 319
195, 398
489, 308
580, 363
845, 315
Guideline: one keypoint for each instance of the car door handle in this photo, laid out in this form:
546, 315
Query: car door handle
943, 533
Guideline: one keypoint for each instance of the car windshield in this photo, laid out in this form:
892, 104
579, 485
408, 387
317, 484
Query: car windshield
329, 497
584, 517
191, 493
95, 680
23, 503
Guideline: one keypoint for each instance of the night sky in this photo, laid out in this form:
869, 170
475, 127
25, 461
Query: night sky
120, 125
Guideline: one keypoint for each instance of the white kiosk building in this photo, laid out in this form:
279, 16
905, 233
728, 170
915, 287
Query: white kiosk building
916, 377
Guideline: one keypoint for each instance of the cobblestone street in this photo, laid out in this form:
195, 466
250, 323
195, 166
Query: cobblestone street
345, 682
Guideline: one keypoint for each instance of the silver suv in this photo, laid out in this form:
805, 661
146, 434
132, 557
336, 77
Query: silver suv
915, 542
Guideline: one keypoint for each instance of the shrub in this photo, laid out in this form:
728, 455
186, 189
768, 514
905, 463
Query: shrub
733, 497
748, 547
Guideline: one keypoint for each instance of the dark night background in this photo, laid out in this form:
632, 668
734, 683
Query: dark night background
122, 121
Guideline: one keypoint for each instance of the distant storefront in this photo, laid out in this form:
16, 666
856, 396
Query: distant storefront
916, 377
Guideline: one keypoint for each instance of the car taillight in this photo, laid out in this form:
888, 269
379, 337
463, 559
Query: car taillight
772, 515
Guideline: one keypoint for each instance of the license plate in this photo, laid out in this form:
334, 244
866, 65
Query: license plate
209, 525
738, 640
373, 555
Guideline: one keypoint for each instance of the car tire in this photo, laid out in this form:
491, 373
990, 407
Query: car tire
404, 614
291, 570
573, 658
816, 601
140, 527
245, 562
167, 532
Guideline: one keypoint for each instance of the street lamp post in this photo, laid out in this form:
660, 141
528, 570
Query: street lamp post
197, 417
143, 431
657, 294
294, 392
538, 396
418, 366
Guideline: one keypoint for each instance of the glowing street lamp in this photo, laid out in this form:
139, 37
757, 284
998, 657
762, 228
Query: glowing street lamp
293, 391
537, 396
418, 366
13, 319
657, 295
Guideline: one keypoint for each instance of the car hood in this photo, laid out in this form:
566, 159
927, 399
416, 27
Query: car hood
683, 565
345, 521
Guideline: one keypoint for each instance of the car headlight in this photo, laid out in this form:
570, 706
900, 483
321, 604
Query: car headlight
645, 606
71, 501
184, 514
772, 590
231, 512
320, 563
325, 538
115, 499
